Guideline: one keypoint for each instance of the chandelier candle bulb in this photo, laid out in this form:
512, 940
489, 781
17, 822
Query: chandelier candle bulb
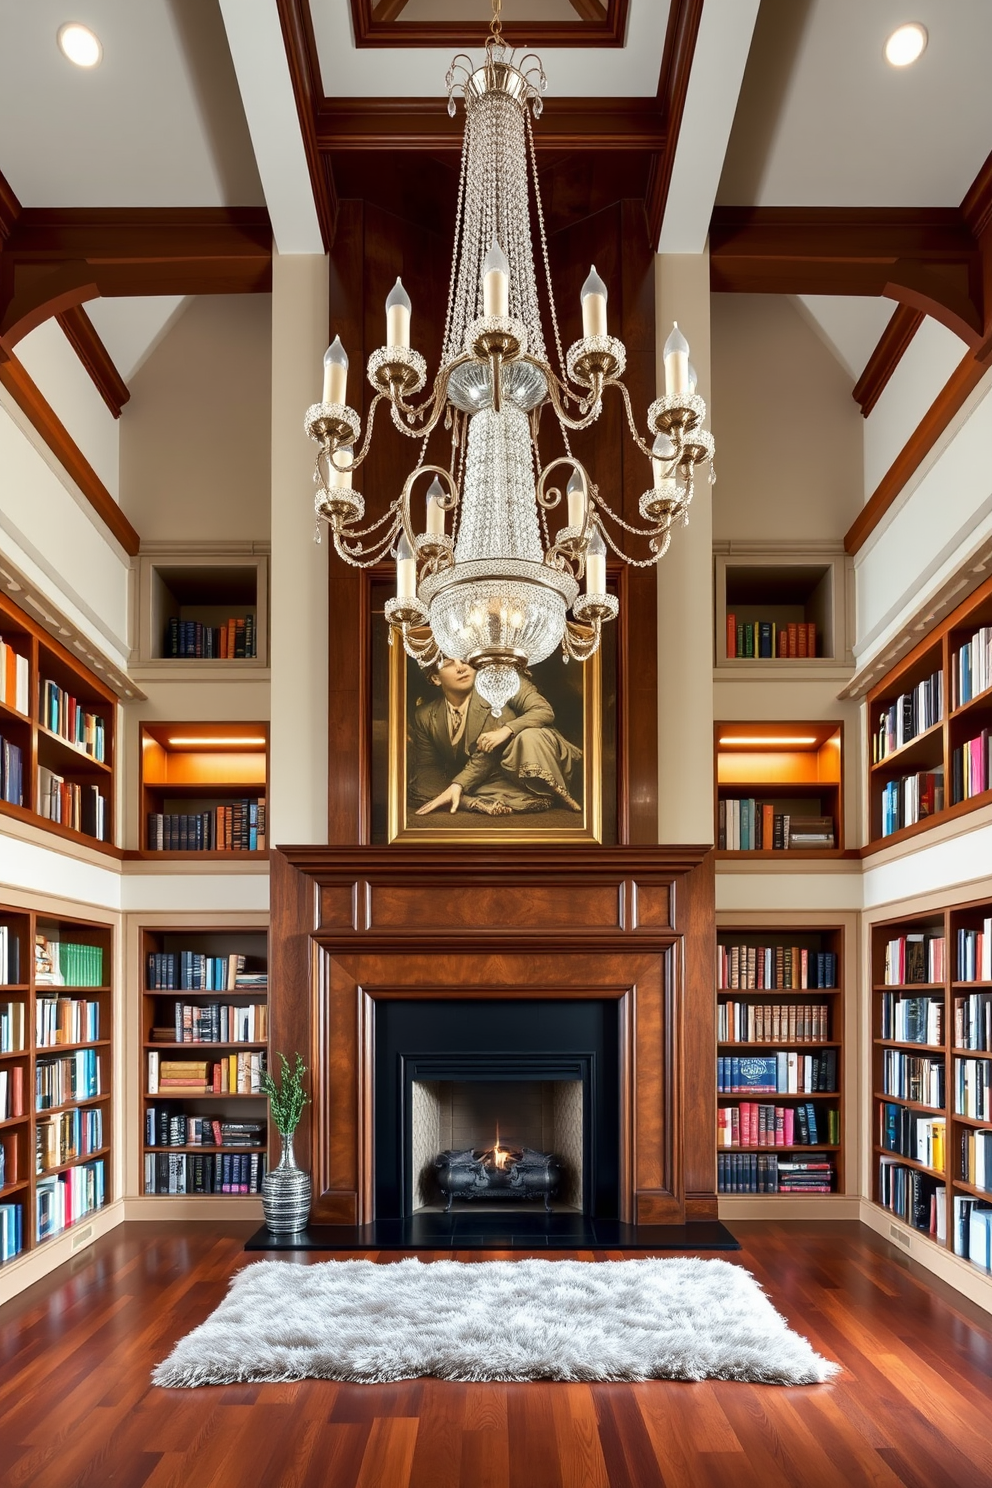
596, 563
662, 454
435, 512
495, 281
693, 379
398, 307
335, 373
593, 296
341, 479
676, 362
406, 570
576, 494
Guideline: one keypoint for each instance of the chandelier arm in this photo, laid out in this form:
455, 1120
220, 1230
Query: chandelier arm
642, 445
578, 643
628, 527
370, 556
435, 404
446, 503
390, 511
659, 539
556, 391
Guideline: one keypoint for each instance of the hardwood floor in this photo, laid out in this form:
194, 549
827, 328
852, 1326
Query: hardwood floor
76, 1407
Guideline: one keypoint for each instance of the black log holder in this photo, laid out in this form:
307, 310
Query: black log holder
498, 1173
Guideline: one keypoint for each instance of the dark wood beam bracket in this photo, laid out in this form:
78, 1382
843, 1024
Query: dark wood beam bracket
885, 358
82, 337
377, 23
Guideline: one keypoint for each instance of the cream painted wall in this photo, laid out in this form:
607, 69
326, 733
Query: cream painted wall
924, 367
788, 433
51, 363
195, 437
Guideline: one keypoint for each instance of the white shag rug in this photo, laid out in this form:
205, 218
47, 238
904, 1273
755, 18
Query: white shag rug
369, 1322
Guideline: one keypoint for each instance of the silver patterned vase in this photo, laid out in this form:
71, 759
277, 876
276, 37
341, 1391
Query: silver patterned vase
286, 1193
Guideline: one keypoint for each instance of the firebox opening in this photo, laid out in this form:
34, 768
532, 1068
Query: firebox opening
546, 1116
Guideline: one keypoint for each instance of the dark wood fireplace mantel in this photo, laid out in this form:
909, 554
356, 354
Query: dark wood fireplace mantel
354, 925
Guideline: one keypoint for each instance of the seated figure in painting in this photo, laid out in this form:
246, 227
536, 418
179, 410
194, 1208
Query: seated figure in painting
460, 758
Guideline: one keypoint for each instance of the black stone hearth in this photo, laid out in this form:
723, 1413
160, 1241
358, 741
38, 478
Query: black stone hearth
502, 1232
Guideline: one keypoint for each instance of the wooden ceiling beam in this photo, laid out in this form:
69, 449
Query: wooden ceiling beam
376, 23
304, 72
82, 336
884, 360
593, 124
673, 86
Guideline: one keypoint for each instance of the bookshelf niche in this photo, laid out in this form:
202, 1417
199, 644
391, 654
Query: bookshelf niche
780, 1065
779, 789
203, 788
203, 611
57, 734
55, 1076
204, 1045
930, 722
931, 1117
778, 613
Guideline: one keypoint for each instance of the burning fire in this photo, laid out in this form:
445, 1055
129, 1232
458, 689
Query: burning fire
501, 1155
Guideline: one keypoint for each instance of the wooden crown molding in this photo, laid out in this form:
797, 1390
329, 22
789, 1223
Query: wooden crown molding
10, 208
377, 23
885, 358
673, 85
304, 71
82, 337
43, 417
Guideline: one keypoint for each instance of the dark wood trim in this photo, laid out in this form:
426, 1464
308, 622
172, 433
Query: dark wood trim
424, 124
925, 259
583, 864
41, 414
673, 85
949, 401
304, 71
976, 207
56, 259
10, 208
885, 358
378, 25
82, 337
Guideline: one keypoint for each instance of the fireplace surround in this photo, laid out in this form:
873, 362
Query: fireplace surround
358, 929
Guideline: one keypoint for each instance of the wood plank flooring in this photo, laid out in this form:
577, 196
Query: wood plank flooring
913, 1407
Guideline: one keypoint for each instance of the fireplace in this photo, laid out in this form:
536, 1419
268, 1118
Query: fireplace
428, 982
452, 1072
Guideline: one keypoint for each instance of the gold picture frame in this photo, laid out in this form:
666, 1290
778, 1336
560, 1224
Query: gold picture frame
576, 694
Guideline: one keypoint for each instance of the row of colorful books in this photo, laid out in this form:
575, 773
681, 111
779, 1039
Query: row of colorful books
236, 1074
971, 768
61, 1200
167, 1128
910, 799
976, 1158
923, 1138
71, 1077
777, 1074
774, 968
238, 827
215, 1023
11, 1092
66, 716
11, 1027
971, 667
770, 640
11, 772
912, 713
192, 971
755, 1124
913, 1077
746, 824
15, 684
973, 1021
973, 1088
772, 1022
65, 1020
914, 1197
80, 807
912, 1020
10, 956
11, 1231
204, 1173
766, 1172
68, 1136
67, 963
235, 639
975, 954
918, 957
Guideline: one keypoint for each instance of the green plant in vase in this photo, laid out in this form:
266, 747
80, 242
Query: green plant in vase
286, 1190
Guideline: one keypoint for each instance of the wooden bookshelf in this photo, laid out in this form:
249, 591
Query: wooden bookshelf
192, 769
47, 753
795, 768
931, 749
207, 589
750, 955
214, 1041
944, 1178
65, 1082
779, 589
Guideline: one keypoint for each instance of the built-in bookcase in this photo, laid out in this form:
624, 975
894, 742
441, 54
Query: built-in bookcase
57, 735
203, 611
203, 790
930, 722
780, 1060
779, 789
932, 1076
780, 613
204, 1022
56, 1037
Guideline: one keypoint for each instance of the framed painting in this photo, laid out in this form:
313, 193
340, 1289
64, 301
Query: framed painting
545, 771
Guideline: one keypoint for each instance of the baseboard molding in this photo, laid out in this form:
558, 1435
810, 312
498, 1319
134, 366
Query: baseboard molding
166, 1207
955, 1270
788, 1206
34, 1265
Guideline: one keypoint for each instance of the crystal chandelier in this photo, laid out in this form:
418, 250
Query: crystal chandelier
497, 590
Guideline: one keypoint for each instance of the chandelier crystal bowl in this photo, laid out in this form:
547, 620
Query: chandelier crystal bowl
498, 590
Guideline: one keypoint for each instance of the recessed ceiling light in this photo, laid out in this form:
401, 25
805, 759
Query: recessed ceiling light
775, 740
906, 44
201, 740
79, 44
